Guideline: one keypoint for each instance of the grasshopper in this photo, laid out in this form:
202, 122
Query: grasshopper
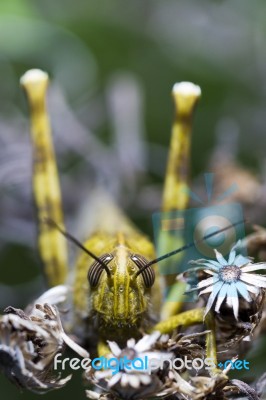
116, 288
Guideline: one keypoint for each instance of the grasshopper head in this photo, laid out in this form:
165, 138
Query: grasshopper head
120, 298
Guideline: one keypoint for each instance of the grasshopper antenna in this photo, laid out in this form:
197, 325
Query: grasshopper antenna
78, 244
187, 246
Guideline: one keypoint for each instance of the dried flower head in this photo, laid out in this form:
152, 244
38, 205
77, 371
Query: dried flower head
28, 345
133, 383
23, 350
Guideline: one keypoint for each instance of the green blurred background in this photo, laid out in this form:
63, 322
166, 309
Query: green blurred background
112, 65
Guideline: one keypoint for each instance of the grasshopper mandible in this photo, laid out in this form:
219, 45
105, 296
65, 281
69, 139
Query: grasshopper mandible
116, 289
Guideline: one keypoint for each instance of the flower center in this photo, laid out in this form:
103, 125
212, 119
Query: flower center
129, 353
230, 273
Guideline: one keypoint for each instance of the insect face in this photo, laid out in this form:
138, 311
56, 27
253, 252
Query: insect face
121, 298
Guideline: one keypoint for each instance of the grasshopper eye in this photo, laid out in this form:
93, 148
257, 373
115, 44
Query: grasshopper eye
148, 274
96, 269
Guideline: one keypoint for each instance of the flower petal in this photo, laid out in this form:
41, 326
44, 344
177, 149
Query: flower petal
207, 290
221, 297
92, 395
232, 256
131, 343
202, 267
124, 380
253, 267
74, 346
134, 381
145, 379
241, 260
229, 302
256, 280
209, 281
214, 264
207, 263
252, 289
200, 261
208, 271
147, 341
220, 258
115, 349
194, 289
238, 244
216, 289
206, 282
232, 293
242, 289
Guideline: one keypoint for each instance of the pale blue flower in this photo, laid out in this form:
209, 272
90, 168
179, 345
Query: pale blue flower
229, 279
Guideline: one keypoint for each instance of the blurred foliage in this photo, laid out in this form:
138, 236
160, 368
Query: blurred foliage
112, 65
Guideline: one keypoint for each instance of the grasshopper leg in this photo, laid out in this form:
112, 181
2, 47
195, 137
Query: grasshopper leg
191, 317
211, 348
46, 188
176, 189
185, 318
175, 193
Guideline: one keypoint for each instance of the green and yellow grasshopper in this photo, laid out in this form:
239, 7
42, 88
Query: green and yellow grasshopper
116, 288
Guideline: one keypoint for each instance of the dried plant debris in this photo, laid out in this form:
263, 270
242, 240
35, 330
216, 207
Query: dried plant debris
244, 388
161, 380
30, 339
183, 345
255, 243
174, 386
28, 345
260, 385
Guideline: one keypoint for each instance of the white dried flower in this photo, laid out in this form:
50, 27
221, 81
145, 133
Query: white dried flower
133, 383
28, 345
